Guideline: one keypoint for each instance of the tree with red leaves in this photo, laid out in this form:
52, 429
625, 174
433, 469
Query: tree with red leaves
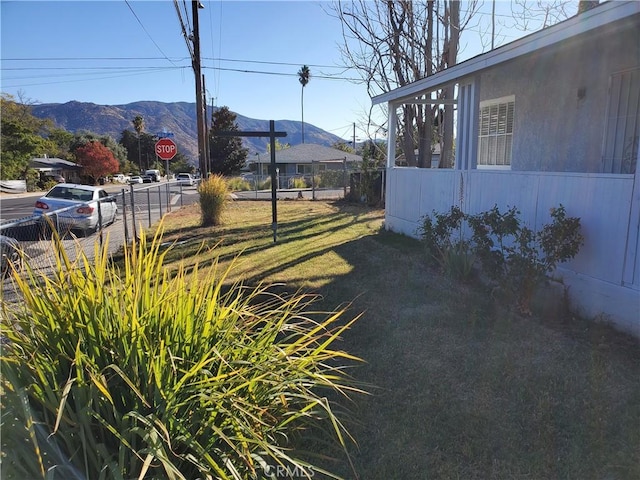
96, 160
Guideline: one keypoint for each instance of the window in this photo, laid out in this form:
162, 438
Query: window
308, 169
496, 132
622, 132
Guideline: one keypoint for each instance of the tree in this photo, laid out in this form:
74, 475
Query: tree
394, 43
343, 146
585, 5
83, 137
180, 164
279, 146
63, 140
96, 160
227, 153
138, 126
21, 137
139, 147
304, 75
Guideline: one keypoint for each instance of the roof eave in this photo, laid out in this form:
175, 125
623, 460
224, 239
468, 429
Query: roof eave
604, 14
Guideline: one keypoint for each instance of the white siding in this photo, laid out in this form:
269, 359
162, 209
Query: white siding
603, 203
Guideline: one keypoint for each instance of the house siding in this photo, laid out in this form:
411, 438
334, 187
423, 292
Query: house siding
595, 278
569, 82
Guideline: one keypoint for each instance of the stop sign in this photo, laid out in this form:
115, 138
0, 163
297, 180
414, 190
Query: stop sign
166, 149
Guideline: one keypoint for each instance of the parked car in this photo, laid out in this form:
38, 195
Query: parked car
84, 214
147, 178
9, 255
120, 178
135, 179
154, 174
185, 179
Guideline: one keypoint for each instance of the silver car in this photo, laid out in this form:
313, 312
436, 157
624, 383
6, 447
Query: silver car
185, 179
77, 207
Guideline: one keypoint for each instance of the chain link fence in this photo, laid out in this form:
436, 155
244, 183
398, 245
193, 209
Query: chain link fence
317, 180
31, 237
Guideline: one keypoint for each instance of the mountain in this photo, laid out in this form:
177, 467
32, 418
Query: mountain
178, 117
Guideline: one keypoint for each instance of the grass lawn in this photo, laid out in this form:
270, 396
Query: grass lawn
460, 387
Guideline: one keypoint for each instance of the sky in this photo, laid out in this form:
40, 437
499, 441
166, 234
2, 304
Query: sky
121, 51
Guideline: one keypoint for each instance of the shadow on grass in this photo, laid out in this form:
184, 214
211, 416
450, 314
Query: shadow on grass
463, 388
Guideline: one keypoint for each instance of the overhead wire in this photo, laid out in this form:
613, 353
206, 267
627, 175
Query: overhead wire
146, 31
183, 28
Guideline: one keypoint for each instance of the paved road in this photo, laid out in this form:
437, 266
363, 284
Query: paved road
17, 206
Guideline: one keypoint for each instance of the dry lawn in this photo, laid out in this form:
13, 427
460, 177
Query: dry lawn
460, 386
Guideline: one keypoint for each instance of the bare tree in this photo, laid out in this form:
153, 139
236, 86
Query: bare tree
533, 15
394, 43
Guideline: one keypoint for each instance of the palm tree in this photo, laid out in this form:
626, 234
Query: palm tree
138, 125
304, 74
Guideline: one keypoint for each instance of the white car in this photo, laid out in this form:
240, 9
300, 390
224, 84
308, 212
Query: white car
185, 179
136, 179
77, 207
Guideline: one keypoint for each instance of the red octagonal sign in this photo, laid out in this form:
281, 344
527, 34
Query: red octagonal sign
166, 149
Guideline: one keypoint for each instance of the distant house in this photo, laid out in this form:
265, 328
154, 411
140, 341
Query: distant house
552, 118
306, 158
52, 167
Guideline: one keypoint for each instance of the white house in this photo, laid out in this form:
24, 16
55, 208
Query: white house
307, 159
552, 118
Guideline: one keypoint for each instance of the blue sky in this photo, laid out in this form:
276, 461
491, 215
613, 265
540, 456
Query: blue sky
117, 52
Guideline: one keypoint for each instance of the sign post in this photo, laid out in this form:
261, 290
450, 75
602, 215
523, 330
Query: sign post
272, 134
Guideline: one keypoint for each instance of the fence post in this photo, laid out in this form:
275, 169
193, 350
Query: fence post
168, 191
133, 212
100, 221
344, 176
180, 185
159, 201
313, 180
149, 206
124, 217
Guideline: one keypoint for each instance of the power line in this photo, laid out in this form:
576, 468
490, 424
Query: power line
145, 31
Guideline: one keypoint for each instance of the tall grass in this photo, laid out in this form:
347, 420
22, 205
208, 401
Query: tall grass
214, 192
238, 184
137, 371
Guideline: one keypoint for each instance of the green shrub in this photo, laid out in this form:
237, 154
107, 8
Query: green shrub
32, 176
214, 193
331, 179
265, 184
443, 240
238, 184
298, 182
513, 255
136, 371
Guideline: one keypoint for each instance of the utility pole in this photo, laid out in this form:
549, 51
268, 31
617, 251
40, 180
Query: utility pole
195, 61
207, 150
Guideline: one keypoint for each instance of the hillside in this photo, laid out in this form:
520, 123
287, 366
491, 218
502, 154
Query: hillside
179, 118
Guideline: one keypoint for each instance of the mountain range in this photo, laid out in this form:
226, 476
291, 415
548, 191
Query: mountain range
178, 118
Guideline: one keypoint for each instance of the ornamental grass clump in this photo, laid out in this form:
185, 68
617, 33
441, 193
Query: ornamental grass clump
135, 370
214, 193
